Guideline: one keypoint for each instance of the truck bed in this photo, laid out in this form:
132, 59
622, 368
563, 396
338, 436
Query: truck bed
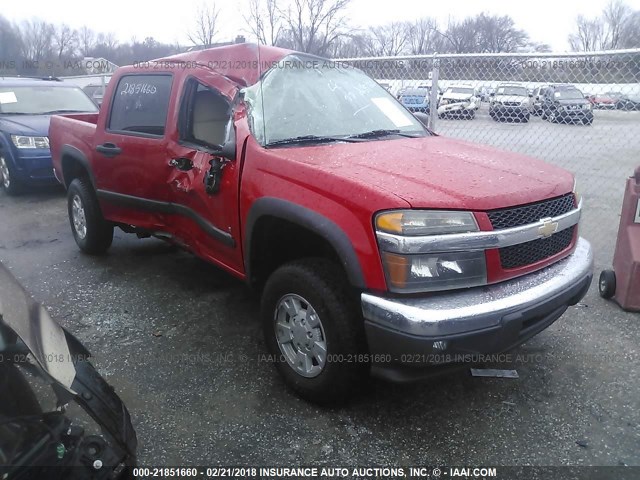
72, 129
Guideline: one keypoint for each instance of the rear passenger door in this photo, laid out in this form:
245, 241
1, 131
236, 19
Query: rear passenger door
130, 151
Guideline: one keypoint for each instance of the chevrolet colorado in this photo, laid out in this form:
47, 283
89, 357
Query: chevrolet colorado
379, 247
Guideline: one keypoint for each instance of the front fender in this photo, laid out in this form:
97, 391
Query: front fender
313, 221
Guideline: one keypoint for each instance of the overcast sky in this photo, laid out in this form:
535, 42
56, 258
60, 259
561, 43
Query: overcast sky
548, 21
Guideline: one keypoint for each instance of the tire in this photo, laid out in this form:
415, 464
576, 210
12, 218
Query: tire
8, 181
471, 114
91, 231
525, 118
587, 121
607, 284
552, 117
290, 292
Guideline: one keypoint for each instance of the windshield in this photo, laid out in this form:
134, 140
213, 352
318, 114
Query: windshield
306, 96
41, 99
569, 94
518, 91
466, 91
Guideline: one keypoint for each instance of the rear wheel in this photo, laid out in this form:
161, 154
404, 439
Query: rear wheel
587, 121
91, 231
314, 331
8, 181
607, 284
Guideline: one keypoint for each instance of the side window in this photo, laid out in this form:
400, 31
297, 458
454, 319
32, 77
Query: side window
205, 115
140, 104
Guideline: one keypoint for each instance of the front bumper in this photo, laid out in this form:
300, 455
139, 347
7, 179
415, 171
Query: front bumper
456, 108
408, 337
509, 110
575, 114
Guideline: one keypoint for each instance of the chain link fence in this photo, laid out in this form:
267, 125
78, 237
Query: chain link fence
580, 111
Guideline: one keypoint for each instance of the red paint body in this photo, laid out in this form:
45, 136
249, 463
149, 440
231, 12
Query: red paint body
626, 259
348, 183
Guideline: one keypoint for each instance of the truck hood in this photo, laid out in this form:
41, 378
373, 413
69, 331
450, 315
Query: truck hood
573, 101
511, 98
438, 172
457, 96
36, 125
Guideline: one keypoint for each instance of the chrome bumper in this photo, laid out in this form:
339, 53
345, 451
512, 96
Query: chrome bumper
481, 307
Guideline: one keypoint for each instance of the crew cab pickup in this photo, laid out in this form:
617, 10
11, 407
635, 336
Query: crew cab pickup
378, 246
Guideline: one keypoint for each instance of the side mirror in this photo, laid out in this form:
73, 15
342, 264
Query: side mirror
228, 150
531, 95
492, 94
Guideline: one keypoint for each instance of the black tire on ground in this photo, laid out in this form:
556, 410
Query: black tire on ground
323, 285
543, 114
99, 233
587, 121
471, 114
525, 118
8, 181
607, 284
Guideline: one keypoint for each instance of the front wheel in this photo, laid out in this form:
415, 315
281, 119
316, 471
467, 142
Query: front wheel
313, 330
91, 231
8, 181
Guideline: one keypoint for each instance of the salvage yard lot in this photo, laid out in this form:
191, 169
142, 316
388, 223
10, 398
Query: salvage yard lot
181, 343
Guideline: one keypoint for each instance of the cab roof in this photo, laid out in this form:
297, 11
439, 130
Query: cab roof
242, 62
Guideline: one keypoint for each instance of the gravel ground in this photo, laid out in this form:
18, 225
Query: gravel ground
180, 342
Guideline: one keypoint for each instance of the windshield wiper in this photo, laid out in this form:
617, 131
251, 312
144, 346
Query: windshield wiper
381, 133
54, 112
309, 139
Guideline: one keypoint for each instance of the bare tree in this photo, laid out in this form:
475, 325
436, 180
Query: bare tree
206, 25
86, 40
37, 36
615, 16
498, 34
265, 21
461, 36
631, 32
313, 25
424, 36
10, 41
65, 40
387, 40
589, 35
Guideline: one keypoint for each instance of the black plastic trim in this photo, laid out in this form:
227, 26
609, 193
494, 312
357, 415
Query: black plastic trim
145, 204
318, 224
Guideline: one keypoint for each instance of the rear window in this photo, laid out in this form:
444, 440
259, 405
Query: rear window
140, 104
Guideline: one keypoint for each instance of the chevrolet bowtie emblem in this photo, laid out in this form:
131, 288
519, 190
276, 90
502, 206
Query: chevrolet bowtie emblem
548, 228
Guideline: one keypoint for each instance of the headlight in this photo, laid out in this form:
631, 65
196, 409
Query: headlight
586, 106
576, 192
21, 141
412, 273
446, 271
425, 222
444, 102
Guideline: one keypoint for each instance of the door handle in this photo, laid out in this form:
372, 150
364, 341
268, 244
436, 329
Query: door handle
182, 164
109, 149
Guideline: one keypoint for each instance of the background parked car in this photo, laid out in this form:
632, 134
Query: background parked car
628, 102
95, 91
459, 101
605, 100
566, 104
26, 106
416, 99
510, 103
536, 100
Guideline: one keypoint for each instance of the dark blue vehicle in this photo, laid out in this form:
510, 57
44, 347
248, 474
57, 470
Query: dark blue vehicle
26, 105
416, 99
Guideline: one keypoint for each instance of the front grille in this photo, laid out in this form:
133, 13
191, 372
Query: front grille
531, 213
512, 104
536, 250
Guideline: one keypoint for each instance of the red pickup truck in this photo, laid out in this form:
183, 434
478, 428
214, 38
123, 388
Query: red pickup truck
378, 245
